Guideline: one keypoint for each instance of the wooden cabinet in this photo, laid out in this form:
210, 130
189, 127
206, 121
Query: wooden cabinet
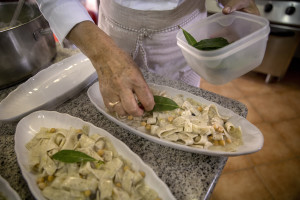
279, 53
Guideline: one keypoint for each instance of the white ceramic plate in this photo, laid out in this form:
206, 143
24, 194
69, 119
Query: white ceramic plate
252, 137
7, 191
31, 124
48, 88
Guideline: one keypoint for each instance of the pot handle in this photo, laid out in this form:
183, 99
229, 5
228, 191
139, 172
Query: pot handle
41, 32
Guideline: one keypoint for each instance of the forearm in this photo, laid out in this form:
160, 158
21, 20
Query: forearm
99, 48
92, 41
119, 77
62, 15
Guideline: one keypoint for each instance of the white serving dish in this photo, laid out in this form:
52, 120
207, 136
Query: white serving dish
248, 34
31, 124
252, 137
48, 88
7, 191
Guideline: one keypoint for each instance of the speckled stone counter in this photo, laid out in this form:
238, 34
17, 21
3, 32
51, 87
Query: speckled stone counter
188, 175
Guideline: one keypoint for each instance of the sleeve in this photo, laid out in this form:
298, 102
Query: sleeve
220, 4
63, 15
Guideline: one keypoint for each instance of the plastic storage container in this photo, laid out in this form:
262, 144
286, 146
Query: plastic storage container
248, 34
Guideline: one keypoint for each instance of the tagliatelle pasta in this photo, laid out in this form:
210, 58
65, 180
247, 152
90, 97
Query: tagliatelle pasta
193, 124
110, 177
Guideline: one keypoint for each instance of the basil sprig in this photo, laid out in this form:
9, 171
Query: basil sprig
211, 44
206, 44
164, 104
189, 38
72, 156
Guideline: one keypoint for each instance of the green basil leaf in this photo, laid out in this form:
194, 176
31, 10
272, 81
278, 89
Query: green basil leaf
189, 38
72, 156
164, 104
211, 44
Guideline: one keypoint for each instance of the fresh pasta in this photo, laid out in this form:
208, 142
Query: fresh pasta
110, 177
193, 124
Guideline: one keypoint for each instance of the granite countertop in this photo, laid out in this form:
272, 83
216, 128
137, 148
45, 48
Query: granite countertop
188, 175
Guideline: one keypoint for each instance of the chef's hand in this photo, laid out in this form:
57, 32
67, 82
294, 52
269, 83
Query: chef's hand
120, 79
247, 6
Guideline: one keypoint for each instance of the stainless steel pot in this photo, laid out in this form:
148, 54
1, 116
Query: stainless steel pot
27, 47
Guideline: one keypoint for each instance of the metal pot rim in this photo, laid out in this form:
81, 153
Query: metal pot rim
19, 25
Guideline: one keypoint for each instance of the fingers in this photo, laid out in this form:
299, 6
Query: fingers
127, 103
130, 104
113, 103
120, 80
139, 93
240, 5
145, 97
119, 109
253, 10
123, 96
116, 106
233, 5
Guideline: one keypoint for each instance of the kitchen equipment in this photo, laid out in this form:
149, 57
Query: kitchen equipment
252, 137
247, 34
6, 191
49, 87
16, 13
30, 125
284, 38
27, 47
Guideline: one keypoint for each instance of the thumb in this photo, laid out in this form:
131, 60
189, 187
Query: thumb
227, 10
233, 5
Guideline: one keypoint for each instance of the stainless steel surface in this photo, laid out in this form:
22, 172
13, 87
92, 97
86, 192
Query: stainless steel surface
280, 12
16, 13
284, 38
25, 48
277, 12
284, 17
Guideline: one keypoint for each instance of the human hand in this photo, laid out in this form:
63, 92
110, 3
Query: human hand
121, 82
247, 6
120, 79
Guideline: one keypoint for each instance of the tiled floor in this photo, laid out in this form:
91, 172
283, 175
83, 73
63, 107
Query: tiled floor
273, 172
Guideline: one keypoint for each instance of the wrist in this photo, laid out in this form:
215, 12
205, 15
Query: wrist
91, 40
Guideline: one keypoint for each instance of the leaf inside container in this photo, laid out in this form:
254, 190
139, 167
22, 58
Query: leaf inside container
72, 156
189, 38
164, 104
211, 44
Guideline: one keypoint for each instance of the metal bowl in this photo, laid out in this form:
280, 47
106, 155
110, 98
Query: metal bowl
25, 48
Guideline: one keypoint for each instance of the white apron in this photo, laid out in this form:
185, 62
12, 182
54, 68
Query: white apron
150, 36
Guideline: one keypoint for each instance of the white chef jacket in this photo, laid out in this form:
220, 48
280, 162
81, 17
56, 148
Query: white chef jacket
63, 15
150, 4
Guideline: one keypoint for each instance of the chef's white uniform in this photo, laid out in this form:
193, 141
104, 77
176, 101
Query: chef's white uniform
145, 29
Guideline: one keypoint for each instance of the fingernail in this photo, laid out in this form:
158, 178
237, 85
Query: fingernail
227, 9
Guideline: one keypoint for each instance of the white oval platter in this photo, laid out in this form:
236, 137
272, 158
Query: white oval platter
49, 87
7, 191
252, 137
31, 124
